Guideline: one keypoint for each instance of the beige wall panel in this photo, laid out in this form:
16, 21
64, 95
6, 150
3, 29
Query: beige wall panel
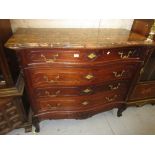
53, 23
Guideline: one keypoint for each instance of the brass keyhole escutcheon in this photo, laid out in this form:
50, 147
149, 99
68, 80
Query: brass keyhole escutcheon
87, 91
92, 56
85, 103
89, 76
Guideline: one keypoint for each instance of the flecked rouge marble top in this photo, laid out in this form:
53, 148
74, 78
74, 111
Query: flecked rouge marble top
74, 38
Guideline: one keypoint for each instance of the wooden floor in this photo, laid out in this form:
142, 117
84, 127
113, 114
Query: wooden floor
134, 121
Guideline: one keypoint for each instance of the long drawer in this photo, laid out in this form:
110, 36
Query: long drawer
48, 76
81, 57
78, 102
58, 91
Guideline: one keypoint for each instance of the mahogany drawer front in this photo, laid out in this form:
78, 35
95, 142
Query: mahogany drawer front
52, 92
86, 56
143, 91
78, 113
46, 77
81, 102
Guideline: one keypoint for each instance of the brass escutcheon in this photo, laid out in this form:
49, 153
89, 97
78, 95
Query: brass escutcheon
88, 90
89, 76
92, 56
85, 103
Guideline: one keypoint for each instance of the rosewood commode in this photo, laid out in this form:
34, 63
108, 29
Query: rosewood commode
76, 73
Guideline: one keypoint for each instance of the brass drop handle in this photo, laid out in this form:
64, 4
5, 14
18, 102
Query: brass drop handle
12, 112
111, 99
92, 56
141, 71
53, 95
87, 91
51, 81
125, 56
117, 75
85, 103
53, 106
114, 87
50, 60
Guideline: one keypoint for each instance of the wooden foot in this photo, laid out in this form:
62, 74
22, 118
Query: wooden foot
35, 122
28, 128
120, 110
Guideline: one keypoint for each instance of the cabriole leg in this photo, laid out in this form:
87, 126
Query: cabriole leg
120, 110
35, 122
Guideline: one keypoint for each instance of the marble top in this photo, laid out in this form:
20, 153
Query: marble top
74, 38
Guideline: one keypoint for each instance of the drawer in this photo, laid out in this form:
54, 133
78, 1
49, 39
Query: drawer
11, 112
84, 57
15, 121
143, 91
48, 76
52, 92
78, 102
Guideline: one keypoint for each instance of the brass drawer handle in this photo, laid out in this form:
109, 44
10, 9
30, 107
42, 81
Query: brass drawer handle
92, 56
87, 91
53, 106
114, 87
85, 103
51, 81
117, 75
111, 99
89, 76
15, 120
12, 112
125, 56
9, 104
141, 71
54, 95
50, 60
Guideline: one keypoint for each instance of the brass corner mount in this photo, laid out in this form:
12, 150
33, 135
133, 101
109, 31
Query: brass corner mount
151, 34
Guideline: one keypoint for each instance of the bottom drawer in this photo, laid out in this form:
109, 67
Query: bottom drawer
78, 113
143, 91
78, 102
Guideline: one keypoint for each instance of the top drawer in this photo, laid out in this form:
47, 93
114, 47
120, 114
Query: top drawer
83, 57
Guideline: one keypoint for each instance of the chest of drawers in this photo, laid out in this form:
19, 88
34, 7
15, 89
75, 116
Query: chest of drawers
76, 73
